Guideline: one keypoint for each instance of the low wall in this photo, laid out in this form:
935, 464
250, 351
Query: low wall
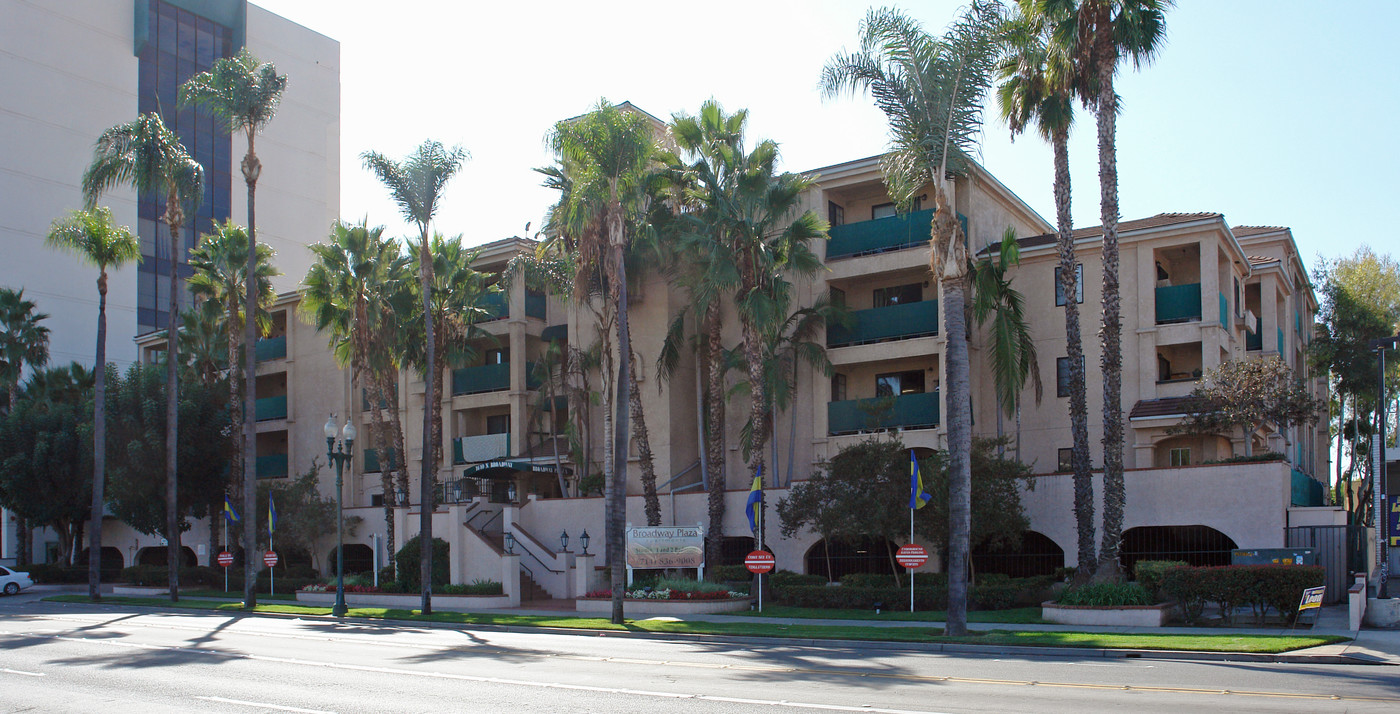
459, 603
665, 607
1128, 616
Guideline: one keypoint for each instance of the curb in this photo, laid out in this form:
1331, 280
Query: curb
913, 647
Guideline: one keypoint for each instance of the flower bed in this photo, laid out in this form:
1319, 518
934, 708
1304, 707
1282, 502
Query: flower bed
671, 603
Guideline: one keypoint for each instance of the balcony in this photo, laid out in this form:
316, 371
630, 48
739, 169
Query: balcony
496, 305
915, 319
883, 234
372, 460
909, 411
272, 466
1280, 340
1178, 303
471, 449
555, 332
270, 408
386, 403
535, 305
1224, 311
1254, 334
271, 348
488, 378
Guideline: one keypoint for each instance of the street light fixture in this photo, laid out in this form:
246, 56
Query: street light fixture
340, 456
510, 543
583, 541
1378, 488
563, 541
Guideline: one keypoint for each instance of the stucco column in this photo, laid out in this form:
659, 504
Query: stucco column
510, 578
1269, 314
1210, 285
519, 375
582, 574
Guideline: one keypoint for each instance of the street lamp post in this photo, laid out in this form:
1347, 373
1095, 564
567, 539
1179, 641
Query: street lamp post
340, 456
1378, 483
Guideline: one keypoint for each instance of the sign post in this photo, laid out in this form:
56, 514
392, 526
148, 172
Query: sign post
225, 559
759, 562
270, 560
1312, 600
911, 556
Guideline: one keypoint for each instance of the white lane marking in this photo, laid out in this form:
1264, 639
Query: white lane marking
27, 674
264, 705
485, 680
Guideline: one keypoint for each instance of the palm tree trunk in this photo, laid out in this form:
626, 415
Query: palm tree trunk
235, 397
425, 482
1074, 351
758, 407
1111, 333
251, 169
792, 428
617, 498
553, 432
714, 435
639, 431
99, 444
950, 258
386, 472
172, 403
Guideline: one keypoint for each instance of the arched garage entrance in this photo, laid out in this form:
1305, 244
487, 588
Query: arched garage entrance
1197, 545
155, 555
1037, 555
359, 558
854, 555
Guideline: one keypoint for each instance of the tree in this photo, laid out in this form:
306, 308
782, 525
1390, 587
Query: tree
243, 93
1013, 349
1247, 395
347, 295
304, 516
96, 240
1036, 88
46, 454
137, 438
1098, 35
147, 156
416, 184
931, 90
23, 343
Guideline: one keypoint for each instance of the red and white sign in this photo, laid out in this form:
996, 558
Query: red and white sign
269, 559
226, 559
759, 561
911, 556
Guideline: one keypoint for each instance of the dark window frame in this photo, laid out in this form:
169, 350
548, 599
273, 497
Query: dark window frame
1078, 286
1062, 380
1064, 459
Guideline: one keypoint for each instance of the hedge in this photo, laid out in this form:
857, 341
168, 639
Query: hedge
728, 573
988, 594
1261, 587
1148, 573
409, 560
54, 573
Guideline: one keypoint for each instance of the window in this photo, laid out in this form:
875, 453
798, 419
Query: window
883, 210
1078, 285
838, 297
501, 356
1239, 299
899, 295
838, 387
835, 214
498, 424
1180, 457
897, 383
1065, 460
1062, 377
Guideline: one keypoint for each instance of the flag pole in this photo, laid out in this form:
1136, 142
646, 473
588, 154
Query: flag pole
271, 569
911, 572
226, 543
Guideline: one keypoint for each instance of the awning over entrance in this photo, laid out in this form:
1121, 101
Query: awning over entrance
476, 469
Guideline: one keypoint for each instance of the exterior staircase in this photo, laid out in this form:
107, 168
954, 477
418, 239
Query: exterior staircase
531, 590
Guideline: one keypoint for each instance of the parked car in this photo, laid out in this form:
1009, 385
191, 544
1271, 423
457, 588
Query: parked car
11, 581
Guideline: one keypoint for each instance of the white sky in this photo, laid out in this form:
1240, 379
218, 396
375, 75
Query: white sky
1271, 112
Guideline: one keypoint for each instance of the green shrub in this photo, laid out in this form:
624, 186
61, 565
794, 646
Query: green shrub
592, 485
1105, 595
1266, 456
996, 593
689, 585
477, 587
58, 573
887, 580
145, 575
1261, 587
726, 573
861, 598
787, 578
410, 564
1148, 573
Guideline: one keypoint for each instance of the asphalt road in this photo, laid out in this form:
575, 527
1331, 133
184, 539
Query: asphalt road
106, 659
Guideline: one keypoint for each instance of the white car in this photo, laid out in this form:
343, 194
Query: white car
12, 581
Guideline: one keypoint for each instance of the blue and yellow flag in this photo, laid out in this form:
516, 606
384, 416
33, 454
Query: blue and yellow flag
918, 497
229, 513
755, 498
271, 516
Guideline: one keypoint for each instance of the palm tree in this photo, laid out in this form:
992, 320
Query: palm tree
1012, 352
416, 184
147, 156
346, 292
96, 240
220, 264
608, 155
1036, 88
931, 90
1097, 35
243, 94
23, 343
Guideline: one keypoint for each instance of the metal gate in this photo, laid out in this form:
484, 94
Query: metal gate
1340, 549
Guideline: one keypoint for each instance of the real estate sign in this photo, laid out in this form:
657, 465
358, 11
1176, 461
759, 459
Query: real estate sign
1394, 521
665, 547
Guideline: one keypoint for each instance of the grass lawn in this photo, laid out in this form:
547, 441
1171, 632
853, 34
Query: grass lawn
1267, 644
1016, 616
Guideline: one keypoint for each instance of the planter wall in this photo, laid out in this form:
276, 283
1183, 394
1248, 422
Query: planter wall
1127, 616
409, 601
665, 607
140, 590
1382, 613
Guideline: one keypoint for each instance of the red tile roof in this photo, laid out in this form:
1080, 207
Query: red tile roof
1161, 219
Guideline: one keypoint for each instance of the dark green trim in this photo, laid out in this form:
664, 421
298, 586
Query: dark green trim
232, 14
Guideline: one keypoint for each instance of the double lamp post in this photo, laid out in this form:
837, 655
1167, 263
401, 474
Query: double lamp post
340, 456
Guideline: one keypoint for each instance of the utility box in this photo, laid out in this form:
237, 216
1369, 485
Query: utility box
1273, 556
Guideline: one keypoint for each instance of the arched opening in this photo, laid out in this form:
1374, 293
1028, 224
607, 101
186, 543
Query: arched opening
733, 550
841, 556
1037, 555
112, 558
359, 558
1197, 545
156, 554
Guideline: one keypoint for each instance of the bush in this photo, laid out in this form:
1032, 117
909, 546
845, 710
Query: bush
861, 598
145, 575
787, 578
1148, 573
1266, 456
887, 580
1262, 587
996, 593
409, 560
58, 573
477, 587
724, 573
592, 485
1105, 595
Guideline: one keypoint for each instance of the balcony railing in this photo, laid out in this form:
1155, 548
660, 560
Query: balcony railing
1280, 340
555, 332
271, 348
1224, 311
390, 400
372, 460
915, 319
535, 305
272, 466
269, 408
489, 378
909, 411
470, 449
496, 305
1178, 303
882, 234
1306, 490
1254, 335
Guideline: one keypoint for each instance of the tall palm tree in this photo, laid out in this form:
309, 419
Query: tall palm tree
1036, 88
147, 156
243, 93
220, 264
608, 155
96, 240
1012, 351
346, 293
1098, 35
416, 184
23, 343
931, 91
